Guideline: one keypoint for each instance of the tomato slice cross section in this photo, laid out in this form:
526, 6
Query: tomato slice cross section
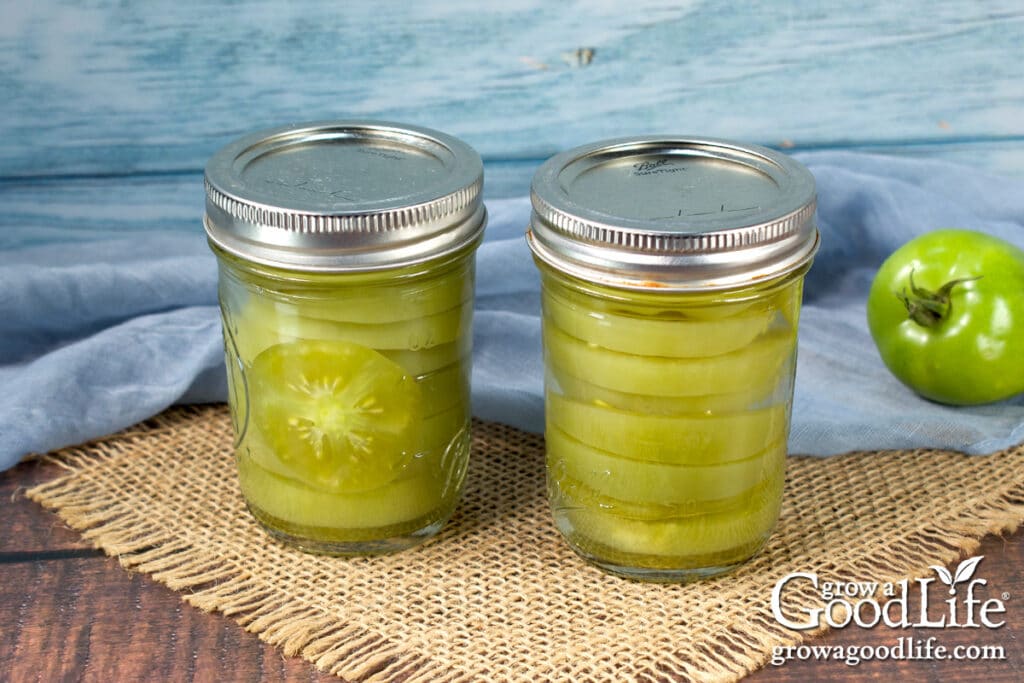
339, 416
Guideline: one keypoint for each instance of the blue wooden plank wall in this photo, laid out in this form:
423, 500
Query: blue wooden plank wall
109, 110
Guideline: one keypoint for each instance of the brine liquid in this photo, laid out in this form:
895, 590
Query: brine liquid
666, 423
350, 397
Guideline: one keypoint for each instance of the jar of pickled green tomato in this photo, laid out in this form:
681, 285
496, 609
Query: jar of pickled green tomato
346, 254
671, 273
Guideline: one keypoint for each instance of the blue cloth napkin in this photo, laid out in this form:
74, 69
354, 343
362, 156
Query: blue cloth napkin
96, 335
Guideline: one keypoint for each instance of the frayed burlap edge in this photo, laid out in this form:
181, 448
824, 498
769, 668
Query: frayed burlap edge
992, 502
142, 544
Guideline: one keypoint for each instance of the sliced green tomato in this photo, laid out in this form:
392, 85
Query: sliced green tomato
264, 323
574, 388
743, 527
723, 310
696, 308
339, 416
367, 297
756, 368
435, 437
425, 361
669, 439
585, 496
429, 485
657, 336
391, 302
660, 484
434, 434
443, 451
446, 387
290, 501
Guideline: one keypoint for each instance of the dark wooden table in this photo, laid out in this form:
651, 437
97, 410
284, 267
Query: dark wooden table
71, 613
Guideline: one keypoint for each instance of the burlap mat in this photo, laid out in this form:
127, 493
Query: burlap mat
498, 595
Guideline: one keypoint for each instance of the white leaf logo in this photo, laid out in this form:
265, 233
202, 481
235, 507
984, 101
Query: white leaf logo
944, 574
967, 568
964, 571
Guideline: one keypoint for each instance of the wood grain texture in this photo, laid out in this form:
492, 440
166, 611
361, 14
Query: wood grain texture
74, 614
39, 211
109, 87
86, 619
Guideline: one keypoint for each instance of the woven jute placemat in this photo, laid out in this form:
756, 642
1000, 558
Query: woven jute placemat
498, 595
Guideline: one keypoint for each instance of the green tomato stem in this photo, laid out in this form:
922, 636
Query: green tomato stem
927, 308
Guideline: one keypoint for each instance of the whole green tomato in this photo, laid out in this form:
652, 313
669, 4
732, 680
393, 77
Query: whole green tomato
946, 311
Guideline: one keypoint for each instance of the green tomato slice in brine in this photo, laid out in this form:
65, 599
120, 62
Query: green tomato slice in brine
338, 415
672, 337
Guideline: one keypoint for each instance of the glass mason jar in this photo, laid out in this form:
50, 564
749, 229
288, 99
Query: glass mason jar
346, 253
671, 272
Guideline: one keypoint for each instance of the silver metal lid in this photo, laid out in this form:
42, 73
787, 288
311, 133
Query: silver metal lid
344, 196
676, 213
